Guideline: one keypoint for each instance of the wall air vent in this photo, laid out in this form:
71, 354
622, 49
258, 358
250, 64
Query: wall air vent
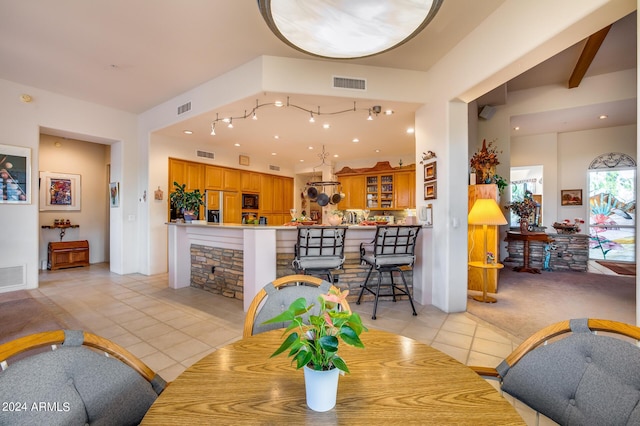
184, 108
13, 276
205, 154
349, 83
276, 168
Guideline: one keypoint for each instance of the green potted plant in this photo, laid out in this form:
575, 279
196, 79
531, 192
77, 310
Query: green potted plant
314, 344
500, 182
187, 202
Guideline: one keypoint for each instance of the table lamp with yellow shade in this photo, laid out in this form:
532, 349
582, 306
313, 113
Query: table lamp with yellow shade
485, 212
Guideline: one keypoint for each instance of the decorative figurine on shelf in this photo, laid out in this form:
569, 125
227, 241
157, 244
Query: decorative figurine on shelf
491, 259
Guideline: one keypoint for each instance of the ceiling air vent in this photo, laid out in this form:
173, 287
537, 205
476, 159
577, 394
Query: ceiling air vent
276, 168
205, 154
184, 108
349, 83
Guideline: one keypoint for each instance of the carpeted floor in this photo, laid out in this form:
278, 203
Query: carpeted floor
21, 315
528, 302
622, 268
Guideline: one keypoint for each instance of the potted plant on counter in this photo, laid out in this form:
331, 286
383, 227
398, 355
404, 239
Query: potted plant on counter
187, 202
314, 344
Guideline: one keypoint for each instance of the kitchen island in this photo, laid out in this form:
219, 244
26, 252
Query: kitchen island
238, 260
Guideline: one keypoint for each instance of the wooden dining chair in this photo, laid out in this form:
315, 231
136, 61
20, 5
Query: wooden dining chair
82, 379
392, 250
319, 250
572, 373
276, 297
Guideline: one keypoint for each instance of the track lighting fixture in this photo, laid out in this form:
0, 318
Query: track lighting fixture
376, 109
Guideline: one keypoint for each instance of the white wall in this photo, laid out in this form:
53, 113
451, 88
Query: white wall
21, 123
89, 160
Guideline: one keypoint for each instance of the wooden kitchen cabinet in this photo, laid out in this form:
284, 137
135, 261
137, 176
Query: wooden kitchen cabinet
185, 172
475, 241
379, 191
213, 177
287, 197
404, 196
250, 181
278, 194
232, 211
231, 180
266, 194
353, 188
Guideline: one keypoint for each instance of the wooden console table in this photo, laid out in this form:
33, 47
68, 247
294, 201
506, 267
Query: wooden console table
526, 238
62, 228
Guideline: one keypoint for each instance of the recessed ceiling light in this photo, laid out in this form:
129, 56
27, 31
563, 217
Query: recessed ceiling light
188, 132
278, 103
516, 128
326, 125
355, 140
310, 147
388, 112
377, 150
411, 130
302, 161
273, 153
236, 144
335, 155
602, 117
276, 137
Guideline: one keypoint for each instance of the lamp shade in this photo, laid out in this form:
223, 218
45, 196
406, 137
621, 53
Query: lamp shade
486, 211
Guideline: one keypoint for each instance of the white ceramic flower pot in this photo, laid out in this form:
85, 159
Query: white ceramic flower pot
321, 388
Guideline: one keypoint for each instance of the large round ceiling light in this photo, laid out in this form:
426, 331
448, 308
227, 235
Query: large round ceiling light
344, 29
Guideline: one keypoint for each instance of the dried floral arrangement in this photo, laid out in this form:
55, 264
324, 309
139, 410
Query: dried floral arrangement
486, 157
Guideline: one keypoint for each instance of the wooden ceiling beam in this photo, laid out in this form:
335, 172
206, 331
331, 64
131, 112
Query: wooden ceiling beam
586, 57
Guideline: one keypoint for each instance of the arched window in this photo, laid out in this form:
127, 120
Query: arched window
612, 207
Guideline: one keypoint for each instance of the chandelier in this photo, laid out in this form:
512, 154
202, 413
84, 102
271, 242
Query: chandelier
347, 29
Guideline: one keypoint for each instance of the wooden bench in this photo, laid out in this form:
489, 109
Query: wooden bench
68, 254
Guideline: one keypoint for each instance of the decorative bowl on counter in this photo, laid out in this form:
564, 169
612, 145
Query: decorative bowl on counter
308, 222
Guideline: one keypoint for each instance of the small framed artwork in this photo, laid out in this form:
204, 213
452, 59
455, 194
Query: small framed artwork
15, 175
59, 191
571, 197
243, 160
430, 172
430, 190
114, 194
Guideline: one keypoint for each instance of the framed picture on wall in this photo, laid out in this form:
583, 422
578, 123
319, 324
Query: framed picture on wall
430, 190
59, 191
571, 197
430, 172
15, 175
114, 194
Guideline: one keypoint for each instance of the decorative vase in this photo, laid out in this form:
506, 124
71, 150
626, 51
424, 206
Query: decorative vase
334, 220
321, 388
524, 226
189, 216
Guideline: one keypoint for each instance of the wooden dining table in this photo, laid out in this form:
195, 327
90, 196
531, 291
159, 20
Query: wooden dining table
393, 379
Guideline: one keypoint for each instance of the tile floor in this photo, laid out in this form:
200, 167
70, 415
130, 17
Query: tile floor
171, 329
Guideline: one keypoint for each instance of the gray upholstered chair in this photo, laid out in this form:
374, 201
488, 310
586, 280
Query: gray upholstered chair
392, 250
276, 297
574, 374
73, 384
319, 250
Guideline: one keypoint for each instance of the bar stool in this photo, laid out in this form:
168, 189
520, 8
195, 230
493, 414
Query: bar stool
319, 250
392, 250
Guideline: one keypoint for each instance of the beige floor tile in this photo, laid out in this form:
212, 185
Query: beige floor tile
454, 339
186, 349
501, 350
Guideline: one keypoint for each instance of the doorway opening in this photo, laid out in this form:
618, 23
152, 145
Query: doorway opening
612, 211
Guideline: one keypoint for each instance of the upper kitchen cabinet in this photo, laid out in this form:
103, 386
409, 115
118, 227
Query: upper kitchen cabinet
381, 187
231, 180
250, 181
404, 196
353, 188
266, 193
185, 172
213, 177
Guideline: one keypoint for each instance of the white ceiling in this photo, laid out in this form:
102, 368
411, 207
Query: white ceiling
133, 55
